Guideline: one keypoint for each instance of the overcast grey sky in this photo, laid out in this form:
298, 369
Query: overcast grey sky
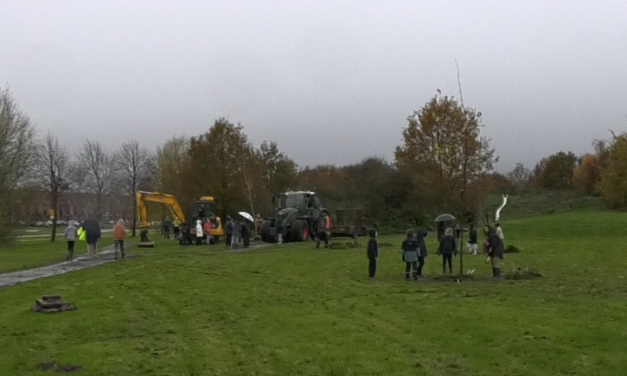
329, 81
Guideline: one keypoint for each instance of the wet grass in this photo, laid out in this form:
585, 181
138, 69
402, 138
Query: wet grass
294, 310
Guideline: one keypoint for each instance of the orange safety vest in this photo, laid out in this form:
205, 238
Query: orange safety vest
325, 224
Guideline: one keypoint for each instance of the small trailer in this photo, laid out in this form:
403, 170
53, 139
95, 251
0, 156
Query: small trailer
349, 222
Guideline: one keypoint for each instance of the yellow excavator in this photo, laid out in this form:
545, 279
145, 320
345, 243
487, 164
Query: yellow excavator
205, 207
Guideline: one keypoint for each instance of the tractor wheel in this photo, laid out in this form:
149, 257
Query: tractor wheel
215, 240
300, 231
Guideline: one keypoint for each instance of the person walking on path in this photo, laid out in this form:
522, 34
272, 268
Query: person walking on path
166, 228
71, 234
410, 256
372, 253
447, 249
207, 229
92, 235
324, 230
199, 233
496, 251
422, 248
119, 234
472, 240
237, 232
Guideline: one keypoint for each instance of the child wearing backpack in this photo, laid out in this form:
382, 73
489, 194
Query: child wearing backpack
411, 252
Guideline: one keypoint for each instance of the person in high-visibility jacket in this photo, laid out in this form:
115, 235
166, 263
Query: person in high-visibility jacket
324, 230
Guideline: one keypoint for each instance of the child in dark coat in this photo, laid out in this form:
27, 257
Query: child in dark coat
373, 253
422, 248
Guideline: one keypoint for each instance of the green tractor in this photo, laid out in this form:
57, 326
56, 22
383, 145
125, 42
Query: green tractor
297, 213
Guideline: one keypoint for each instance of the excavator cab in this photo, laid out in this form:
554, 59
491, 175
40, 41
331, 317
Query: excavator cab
205, 209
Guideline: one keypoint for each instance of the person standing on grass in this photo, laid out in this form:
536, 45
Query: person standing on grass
119, 234
245, 234
279, 232
447, 249
237, 232
258, 222
422, 248
207, 228
176, 227
496, 251
499, 232
71, 234
410, 253
324, 230
199, 233
472, 240
166, 228
228, 229
372, 253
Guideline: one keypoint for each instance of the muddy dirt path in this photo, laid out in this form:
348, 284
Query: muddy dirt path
81, 262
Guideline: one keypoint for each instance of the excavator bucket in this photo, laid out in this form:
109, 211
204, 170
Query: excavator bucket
144, 242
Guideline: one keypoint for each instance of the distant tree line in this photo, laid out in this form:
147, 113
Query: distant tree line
442, 165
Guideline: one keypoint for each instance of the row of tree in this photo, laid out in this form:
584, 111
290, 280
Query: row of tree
443, 164
601, 173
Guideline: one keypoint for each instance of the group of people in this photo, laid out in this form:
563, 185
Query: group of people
236, 231
89, 231
414, 250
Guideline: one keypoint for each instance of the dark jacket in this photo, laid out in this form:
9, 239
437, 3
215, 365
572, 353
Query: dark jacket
229, 228
496, 246
447, 246
472, 239
373, 248
410, 250
92, 230
421, 243
245, 231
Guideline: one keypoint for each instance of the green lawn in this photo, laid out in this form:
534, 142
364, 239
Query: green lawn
293, 310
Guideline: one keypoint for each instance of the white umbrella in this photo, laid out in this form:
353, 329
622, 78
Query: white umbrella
247, 216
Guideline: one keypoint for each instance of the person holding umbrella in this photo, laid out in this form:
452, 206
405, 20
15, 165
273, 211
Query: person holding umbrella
245, 231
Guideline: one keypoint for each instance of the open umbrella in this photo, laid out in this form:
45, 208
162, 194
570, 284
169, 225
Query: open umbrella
247, 216
444, 218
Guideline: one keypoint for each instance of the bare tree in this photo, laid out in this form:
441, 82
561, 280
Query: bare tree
53, 174
97, 169
17, 150
136, 167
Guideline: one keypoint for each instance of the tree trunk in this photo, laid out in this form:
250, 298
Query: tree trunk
54, 218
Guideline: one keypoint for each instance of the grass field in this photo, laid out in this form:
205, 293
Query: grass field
293, 310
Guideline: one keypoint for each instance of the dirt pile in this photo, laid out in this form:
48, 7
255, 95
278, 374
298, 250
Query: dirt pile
52, 304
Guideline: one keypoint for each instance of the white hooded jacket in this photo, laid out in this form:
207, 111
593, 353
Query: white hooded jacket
199, 229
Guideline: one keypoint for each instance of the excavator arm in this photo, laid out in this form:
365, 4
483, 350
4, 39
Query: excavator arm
170, 201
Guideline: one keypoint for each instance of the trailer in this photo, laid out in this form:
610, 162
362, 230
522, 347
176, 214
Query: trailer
349, 222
